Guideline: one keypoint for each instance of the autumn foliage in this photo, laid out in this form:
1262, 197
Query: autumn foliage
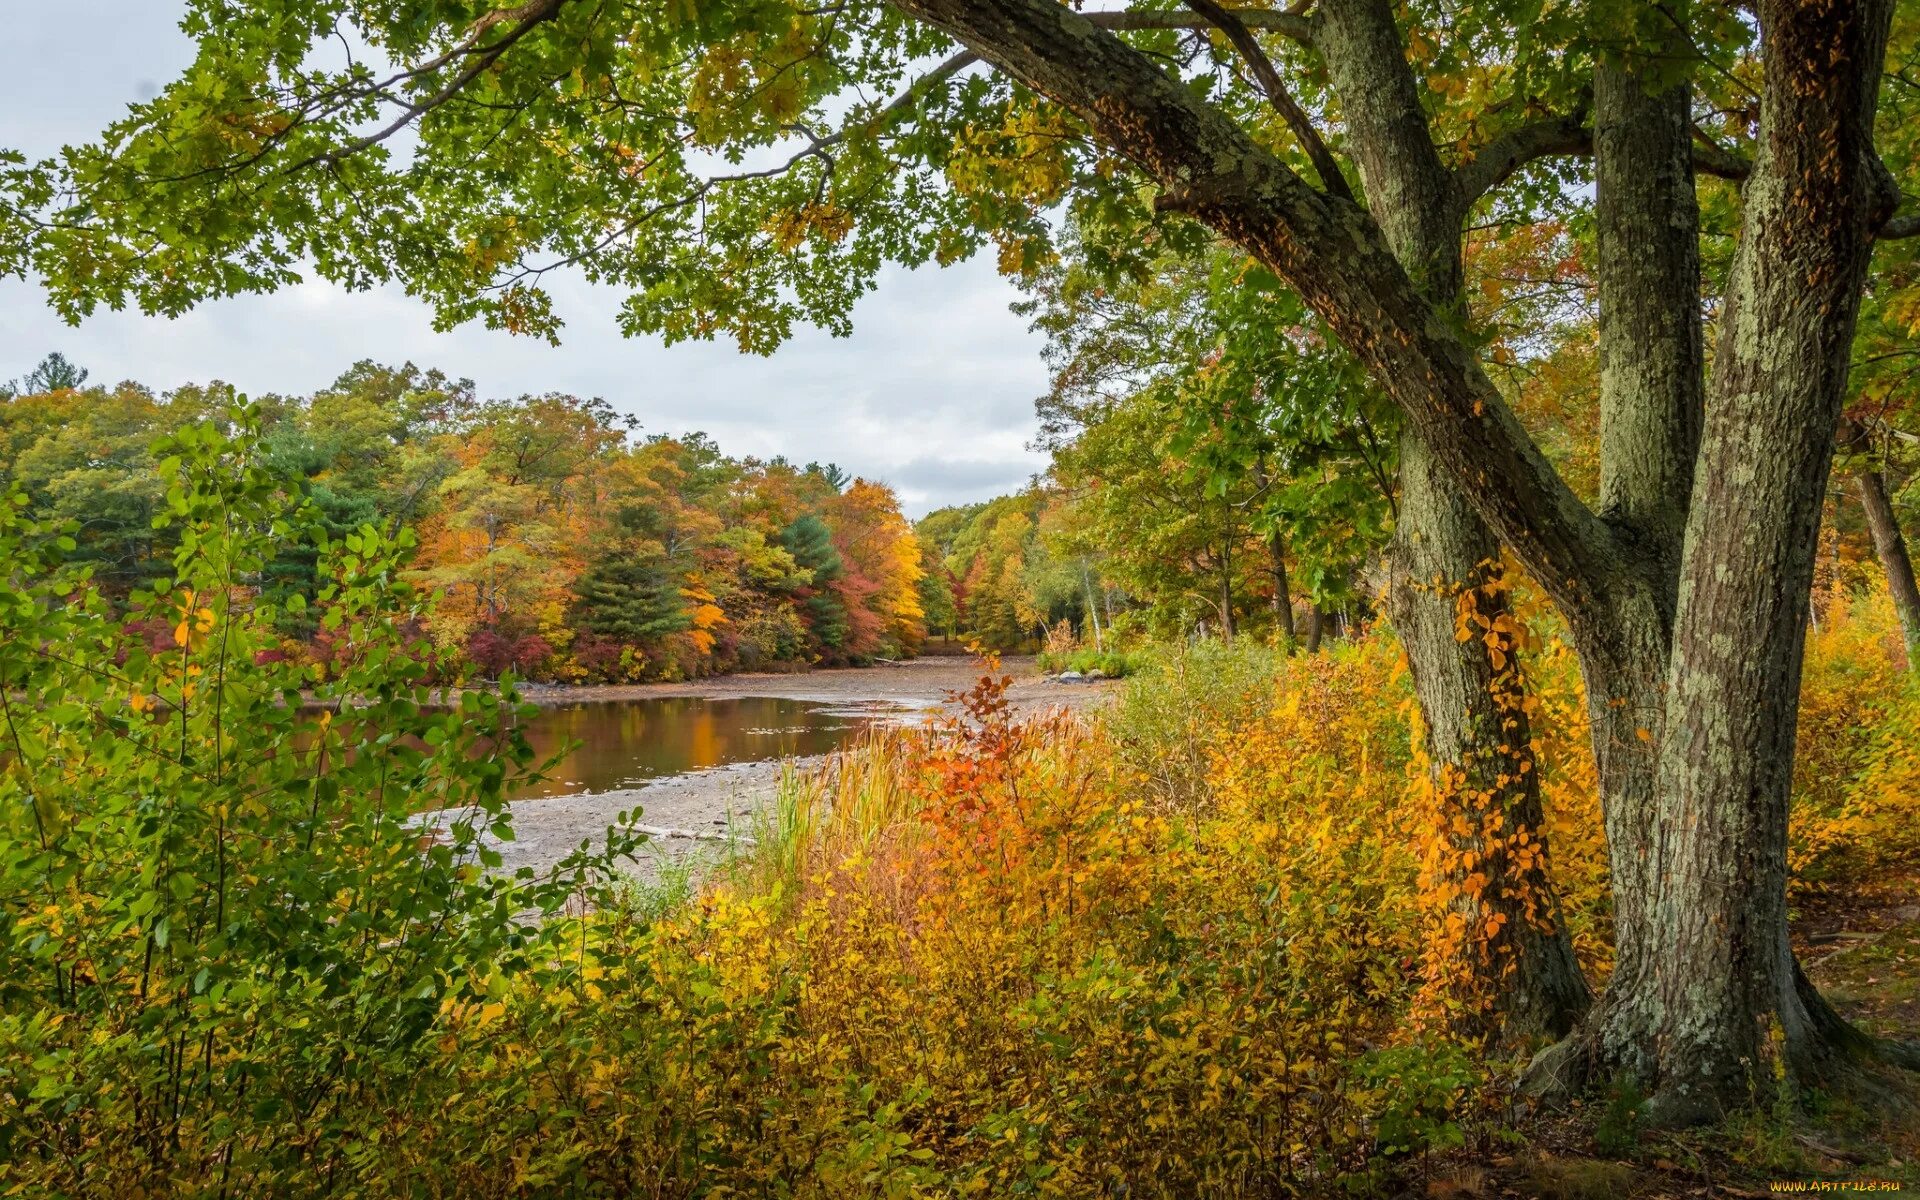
997, 955
557, 544
984, 959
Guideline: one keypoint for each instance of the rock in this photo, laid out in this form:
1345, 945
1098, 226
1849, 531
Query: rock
1069, 677
1095, 675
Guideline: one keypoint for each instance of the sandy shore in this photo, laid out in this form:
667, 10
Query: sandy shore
703, 810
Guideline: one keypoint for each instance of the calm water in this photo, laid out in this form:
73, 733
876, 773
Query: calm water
623, 743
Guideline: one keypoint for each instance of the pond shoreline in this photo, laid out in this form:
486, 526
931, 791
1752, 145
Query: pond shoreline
702, 808
919, 682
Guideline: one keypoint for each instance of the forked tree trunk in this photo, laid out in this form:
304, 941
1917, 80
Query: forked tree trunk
1722, 1000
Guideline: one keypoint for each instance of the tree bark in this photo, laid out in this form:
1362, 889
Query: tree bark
1316, 628
1890, 547
1451, 612
1729, 1001
1651, 409
1227, 624
1477, 738
1282, 592
1647, 222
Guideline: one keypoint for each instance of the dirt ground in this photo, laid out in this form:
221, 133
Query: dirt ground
704, 810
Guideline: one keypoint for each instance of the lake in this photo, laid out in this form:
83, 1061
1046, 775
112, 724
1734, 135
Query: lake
625, 743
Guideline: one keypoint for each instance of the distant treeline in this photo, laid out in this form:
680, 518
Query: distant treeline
554, 540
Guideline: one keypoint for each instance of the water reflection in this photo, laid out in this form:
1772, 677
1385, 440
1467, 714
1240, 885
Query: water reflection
623, 743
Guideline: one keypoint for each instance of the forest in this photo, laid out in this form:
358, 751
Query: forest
1484, 435
558, 544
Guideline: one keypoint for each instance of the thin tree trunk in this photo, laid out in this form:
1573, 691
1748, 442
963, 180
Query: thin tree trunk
1890, 546
1093, 611
1316, 626
1227, 627
1513, 953
1282, 592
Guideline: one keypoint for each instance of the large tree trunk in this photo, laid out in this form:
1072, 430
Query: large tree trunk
1729, 1002
1448, 607
1651, 408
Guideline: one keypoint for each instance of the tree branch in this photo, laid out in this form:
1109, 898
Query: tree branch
1329, 250
1289, 23
1276, 89
1496, 162
1711, 158
1900, 227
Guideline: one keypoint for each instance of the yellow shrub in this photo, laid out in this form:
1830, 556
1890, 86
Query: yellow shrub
1856, 801
987, 959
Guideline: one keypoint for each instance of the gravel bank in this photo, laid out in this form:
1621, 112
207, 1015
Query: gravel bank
704, 809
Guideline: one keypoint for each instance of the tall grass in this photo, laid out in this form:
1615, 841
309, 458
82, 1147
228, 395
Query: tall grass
862, 803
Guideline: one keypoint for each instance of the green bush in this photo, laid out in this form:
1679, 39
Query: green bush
242, 894
1115, 664
1178, 699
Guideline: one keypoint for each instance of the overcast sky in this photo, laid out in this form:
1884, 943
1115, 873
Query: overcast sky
933, 393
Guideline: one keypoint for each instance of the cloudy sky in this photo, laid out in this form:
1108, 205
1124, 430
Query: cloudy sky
933, 393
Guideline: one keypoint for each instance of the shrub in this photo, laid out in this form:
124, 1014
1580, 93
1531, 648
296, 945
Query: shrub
961, 961
495, 651
233, 939
1114, 664
1168, 718
1856, 781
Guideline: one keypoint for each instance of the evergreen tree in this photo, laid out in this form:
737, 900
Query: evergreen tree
631, 601
811, 543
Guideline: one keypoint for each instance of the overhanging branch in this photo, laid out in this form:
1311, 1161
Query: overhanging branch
1496, 162
1328, 249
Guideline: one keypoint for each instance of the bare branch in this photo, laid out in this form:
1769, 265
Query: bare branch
529, 15
1276, 89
